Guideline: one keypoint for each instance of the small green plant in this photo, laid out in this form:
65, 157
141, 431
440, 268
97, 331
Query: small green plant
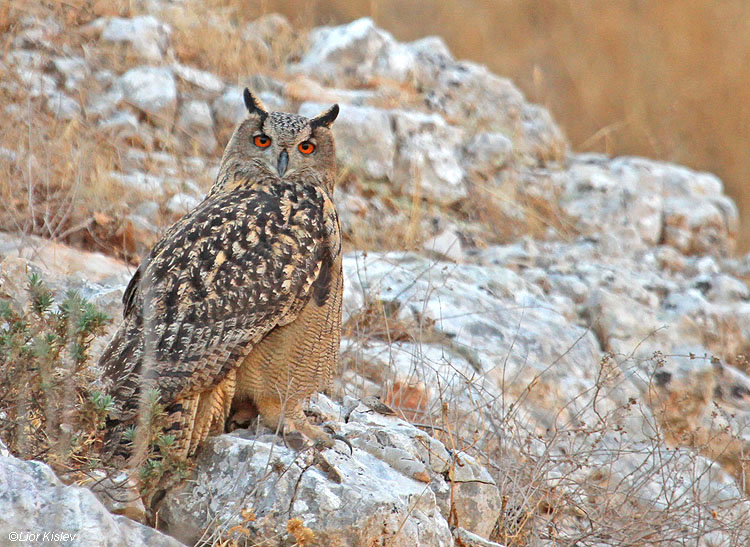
49, 407
160, 463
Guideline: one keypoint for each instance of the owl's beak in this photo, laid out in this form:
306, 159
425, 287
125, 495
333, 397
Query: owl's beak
283, 162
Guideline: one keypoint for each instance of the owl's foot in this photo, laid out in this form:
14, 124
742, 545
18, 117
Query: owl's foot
322, 437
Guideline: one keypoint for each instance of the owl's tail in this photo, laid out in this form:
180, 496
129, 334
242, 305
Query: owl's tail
121, 365
117, 448
178, 429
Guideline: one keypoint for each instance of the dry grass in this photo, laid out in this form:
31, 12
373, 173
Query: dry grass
55, 185
557, 486
213, 36
660, 79
582, 483
71, 12
55, 174
587, 479
510, 211
666, 79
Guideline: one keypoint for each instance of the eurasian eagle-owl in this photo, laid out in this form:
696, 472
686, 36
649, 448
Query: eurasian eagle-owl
241, 298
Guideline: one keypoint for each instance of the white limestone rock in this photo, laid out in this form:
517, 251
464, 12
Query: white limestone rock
196, 127
446, 244
150, 185
362, 52
148, 36
486, 153
105, 105
63, 106
503, 325
73, 69
210, 84
122, 124
36, 508
151, 89
364, 138
59, 260
348, 50
384, 491
228, 110
470, 95
428, 153
663, 202
181, 203
36, 31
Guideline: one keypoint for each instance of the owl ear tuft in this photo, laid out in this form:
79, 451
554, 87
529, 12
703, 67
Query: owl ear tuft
326, 118
253, 104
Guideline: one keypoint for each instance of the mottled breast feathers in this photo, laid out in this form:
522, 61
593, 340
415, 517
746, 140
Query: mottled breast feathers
245, 260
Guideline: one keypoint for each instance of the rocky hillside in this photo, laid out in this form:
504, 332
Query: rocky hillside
540, 347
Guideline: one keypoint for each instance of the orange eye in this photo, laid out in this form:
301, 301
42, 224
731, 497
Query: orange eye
306, 147
262, 141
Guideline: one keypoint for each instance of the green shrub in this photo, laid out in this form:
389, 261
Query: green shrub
49, 407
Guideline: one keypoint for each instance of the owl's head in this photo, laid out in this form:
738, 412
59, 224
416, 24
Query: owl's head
282, 143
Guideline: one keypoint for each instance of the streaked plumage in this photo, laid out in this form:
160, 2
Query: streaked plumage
241, 298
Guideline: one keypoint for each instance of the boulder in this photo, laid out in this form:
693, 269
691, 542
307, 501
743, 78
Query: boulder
182, 203
427, 161
61, 260
486, 153
105, 105
62, 106
73, 69
662, 202
362, 53
228, 110
148, 36
196, 126
469, 95
350, 50
446, 244
124, 125
354, 129
37, 32
503, 326
36, 508
392, 488
151, 89
207, 83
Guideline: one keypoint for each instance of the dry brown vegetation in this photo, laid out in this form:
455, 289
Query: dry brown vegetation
662, 79
214, 47
57, 186
658, 79
57, 182
667, 80
582, 482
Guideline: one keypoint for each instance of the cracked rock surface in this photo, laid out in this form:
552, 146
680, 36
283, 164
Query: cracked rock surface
392, 489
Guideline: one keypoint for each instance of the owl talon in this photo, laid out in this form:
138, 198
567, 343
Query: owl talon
336, 437
345, 441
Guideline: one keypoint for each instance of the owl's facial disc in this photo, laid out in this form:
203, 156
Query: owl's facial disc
283, 162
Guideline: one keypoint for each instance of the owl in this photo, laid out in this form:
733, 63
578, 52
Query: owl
240, 300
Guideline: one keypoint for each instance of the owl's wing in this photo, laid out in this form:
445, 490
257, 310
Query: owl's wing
129, 296
220, 279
